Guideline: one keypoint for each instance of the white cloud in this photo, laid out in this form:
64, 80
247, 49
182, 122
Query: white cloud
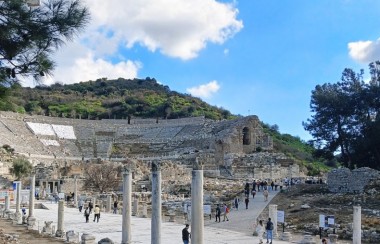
177, 28
90, 68
204, 91
365, 51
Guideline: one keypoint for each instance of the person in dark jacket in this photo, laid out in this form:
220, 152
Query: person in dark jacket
186, 234
269, 229
217, 213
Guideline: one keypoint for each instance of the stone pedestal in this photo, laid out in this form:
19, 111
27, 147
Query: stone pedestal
172, 217
71, 236
87, 239
357, 225
286, 236
307, 239
17, 218
156, 203
197, 218
333, 238
60, 232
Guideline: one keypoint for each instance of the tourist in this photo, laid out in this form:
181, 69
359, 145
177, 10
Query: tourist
80, 205
87, 214
90, 206
253, 194
96, 213
254, 185
237, 203
266, 194
115, 207
269, 230
246, 202
186, 235
272, 185
226, 210
217, 213
324, 241
260, 231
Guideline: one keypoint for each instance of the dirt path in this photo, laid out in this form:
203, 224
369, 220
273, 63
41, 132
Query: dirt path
25, 237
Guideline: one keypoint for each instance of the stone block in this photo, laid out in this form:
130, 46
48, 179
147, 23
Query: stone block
105, 241
87, 239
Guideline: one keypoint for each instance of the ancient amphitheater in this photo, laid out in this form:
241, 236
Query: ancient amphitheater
228, 147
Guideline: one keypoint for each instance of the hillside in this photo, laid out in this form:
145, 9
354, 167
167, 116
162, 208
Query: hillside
143, 98
121, 98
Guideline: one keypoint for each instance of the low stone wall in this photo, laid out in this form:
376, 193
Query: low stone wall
343, 180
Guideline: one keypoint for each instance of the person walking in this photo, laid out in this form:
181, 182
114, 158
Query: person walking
269, 230
246, 202
87, 214
217, 213
186, 235
225, 213
260, 231
266, 194
237, 203
90, 206
80, 205
115, 207
96, 213
253, 194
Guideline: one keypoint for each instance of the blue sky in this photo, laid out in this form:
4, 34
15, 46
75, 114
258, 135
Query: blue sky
247, 56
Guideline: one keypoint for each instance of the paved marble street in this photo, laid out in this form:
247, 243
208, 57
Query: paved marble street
237, 230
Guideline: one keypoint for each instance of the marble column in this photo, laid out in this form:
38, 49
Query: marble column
135, 208
127, 193
109, 204
7, 212
60, 231
17, 216
357, 226
197, 219
31, 218
156, 203
145, 210
76, 192
273, 216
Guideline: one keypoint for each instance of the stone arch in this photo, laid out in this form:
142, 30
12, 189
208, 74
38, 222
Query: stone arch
246, 136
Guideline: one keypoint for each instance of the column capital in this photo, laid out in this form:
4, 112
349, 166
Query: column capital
156, 166
197, 164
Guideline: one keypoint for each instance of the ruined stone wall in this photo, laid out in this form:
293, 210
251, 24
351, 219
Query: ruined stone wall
343, 180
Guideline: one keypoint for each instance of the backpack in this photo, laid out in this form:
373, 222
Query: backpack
227, 210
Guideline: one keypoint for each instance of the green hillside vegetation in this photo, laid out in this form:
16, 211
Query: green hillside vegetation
143, 98
111, 99
303, 153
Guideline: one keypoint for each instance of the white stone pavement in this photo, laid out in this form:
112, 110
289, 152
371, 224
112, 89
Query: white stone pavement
236, 231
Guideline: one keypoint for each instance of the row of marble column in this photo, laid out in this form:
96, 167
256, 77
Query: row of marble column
197, 218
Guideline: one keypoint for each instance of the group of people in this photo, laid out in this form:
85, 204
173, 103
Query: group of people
89, 209
219, 210
268, 229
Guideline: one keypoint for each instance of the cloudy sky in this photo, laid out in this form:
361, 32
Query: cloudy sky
250, 57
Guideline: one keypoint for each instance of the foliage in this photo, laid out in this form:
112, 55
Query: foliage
101, 177
303, 153
346, 119
29, 35
21, 167
112, 99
